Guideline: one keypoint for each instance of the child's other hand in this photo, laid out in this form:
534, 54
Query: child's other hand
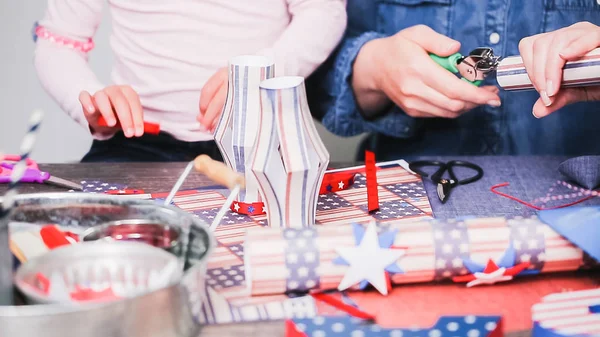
121, 100
212, 99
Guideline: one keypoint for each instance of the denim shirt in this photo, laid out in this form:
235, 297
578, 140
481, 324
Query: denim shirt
510, 129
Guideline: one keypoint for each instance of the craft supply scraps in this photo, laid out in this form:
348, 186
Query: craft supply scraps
292, 260
336, 326
149, 128
560, 195
53, 237
573, 313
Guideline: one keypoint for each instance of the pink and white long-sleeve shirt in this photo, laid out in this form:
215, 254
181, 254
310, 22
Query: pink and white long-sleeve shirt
167, 49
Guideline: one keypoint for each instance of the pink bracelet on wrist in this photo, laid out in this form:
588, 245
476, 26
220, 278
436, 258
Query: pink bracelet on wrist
42, 32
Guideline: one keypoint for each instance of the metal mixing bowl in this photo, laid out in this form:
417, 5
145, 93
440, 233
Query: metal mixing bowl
140, 230
163, 313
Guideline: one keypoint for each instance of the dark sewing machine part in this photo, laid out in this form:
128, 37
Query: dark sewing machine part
583, 170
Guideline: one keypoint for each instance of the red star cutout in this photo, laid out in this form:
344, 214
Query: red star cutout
492, 267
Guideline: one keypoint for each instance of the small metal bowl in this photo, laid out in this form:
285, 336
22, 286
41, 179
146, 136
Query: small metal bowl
140, 230
129, 269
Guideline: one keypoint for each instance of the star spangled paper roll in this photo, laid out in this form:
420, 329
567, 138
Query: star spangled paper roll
512, 75
296, 260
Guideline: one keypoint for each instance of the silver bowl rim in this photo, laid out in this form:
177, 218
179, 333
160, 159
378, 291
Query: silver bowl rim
56, 309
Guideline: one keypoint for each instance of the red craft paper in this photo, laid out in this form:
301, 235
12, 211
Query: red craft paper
149, 128
371, 173
53, 237
423, 304
291, 330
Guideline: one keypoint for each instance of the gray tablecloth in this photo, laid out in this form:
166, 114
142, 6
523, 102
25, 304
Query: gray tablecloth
529, 178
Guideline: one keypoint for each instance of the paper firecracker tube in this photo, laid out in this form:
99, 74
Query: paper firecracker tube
512, 75
281, 261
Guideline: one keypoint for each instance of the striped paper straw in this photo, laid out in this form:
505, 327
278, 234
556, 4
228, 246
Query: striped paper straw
512, 75
21, 165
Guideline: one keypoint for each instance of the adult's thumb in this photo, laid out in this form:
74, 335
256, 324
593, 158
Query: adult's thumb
432, 41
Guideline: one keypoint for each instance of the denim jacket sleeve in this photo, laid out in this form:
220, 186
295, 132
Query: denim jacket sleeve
332, 97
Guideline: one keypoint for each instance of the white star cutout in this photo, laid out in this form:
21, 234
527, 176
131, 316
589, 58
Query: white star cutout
341, 185
236, 206
264, 209
491, 278
368, 261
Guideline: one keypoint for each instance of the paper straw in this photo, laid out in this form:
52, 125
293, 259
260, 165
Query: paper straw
512, 75
290, 260
20, 167
6, 256
179, 182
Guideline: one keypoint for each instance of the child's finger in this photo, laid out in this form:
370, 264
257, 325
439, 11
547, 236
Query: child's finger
121, 106
210, 89
215, 107
103, 104
137, 113
86, 102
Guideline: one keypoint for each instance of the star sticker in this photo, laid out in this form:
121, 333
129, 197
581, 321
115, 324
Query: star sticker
236, 206
329, 188
341, 185
493, 272
250, 209
369, 262
264, 209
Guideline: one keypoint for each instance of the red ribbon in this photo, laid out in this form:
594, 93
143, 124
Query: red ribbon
333, 182
372, 192
493, 189
253, 208
338, 304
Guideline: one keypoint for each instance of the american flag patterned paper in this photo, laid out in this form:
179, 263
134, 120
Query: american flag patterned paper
230, 299
512, 75
282, 261
575, 313
96, 186
455, 326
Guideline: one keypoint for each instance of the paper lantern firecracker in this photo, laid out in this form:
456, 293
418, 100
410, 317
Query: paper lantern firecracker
289, 158
236, 131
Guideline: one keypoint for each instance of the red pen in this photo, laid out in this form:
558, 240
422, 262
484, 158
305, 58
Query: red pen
150, 128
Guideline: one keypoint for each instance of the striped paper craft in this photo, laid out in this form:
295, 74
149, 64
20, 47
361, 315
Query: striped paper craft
289, 159
402, 193
575, 313
236, 131
290, 260
512, 75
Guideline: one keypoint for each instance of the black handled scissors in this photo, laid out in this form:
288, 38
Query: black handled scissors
444, 186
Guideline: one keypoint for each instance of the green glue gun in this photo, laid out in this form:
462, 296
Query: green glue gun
472, 68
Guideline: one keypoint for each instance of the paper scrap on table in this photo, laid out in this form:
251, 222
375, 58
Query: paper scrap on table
467, 326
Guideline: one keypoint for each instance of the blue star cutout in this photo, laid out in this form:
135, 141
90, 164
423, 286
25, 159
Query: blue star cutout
329, 188
250, 209
386, 240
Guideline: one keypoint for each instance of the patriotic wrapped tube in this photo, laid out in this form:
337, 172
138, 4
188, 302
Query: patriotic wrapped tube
512, 75
296, 259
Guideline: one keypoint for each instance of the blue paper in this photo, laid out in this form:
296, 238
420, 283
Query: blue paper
579, 225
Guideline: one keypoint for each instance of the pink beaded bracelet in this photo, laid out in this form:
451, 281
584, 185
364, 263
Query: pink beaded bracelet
42, 32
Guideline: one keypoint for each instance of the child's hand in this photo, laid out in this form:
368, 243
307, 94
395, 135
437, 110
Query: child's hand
119, 99
212, 99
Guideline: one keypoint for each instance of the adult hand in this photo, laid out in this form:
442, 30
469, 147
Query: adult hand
120, 107
212, 99
544, 56
400, 69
